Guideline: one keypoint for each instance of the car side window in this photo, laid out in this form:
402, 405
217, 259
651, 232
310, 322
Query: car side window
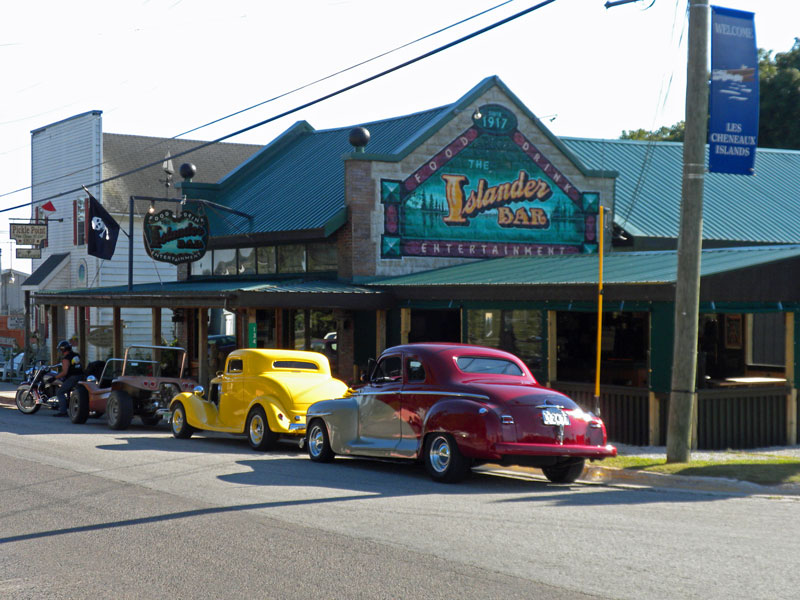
414, 370
235, 365
388, 369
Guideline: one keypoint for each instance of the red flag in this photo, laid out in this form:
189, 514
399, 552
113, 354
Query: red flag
48, 206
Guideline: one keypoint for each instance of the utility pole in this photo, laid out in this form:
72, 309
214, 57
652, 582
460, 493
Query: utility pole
683, 389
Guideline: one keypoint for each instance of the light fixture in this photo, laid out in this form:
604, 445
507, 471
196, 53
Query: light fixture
11, 277
183, 200
152, 208
477, 114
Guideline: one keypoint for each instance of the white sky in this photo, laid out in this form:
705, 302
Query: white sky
161, 67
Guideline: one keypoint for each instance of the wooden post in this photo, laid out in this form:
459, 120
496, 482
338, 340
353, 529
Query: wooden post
405, 324
380, 331
82, 333
117, 333
202, 347
654, 423
791, 397
156, 329
552, 348
53, 309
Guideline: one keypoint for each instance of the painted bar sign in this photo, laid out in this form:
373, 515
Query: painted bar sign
176, 238
733, 105
490, 192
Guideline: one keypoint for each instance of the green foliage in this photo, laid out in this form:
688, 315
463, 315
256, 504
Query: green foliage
673, 133
779, 80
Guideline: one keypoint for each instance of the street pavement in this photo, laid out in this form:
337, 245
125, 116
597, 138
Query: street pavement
598, 473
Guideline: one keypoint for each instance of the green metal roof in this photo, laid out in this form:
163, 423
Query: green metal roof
762, 208
658, 267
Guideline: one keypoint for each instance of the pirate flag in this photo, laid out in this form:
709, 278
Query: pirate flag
103, 230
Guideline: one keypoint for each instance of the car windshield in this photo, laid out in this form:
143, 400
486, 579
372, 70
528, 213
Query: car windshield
487, 365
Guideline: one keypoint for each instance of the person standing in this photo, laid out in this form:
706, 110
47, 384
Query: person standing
71, 373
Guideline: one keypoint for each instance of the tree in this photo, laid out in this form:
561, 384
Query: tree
779, 119
673, 133
779, 80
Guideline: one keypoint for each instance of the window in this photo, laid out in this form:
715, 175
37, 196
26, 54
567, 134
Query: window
485, 365
294, 364
415, 370
247, 261
521, 332
235, 365
388, 369
225, 261
322, 257
79, 208
204, 265
265, 260
292, 258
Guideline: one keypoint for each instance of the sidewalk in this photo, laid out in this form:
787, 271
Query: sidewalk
597, 473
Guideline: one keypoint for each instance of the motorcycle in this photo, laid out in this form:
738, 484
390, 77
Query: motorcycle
38, 388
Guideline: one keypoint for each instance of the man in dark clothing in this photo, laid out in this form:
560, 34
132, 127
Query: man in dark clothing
71, 373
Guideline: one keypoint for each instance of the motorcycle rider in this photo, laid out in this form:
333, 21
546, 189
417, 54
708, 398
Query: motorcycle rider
71, 373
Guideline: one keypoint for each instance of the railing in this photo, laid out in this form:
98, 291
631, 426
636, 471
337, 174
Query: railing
741, 417
625, 410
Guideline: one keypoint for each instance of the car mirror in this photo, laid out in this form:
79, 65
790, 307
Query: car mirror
219, 373
91, 379
198, 391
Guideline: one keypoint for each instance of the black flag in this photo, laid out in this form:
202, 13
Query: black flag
103, 230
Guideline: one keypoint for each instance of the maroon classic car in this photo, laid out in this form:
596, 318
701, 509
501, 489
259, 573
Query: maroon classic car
454, 406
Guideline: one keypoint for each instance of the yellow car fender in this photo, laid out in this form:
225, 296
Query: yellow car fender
200, 414
277, 416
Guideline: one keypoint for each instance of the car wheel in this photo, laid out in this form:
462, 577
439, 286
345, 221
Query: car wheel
79, 405
565, 472
443, 460
180, 427
319, 446
119, 410
151, 420
26, 403
260, 436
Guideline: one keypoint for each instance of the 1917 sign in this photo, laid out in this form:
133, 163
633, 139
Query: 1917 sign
29, 253
176, 238
28, 234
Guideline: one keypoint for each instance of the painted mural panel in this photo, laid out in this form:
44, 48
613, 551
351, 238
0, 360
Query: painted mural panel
490, 192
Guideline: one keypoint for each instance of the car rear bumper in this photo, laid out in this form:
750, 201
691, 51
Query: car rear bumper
513, 449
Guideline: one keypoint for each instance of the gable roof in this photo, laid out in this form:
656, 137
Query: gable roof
296, 183
122, 153
763, 208
46, 270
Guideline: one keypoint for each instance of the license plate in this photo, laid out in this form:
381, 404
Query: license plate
555, 417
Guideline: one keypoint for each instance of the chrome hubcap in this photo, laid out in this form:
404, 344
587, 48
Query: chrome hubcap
439, 456
177, 421
256, 429
112, 410
315, 441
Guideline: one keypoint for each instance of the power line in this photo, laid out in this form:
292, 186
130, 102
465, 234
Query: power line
278, 97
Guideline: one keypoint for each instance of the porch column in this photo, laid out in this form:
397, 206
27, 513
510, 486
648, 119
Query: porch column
53, 310
654, 424
202, 347
380, 331
82, 333
552, 348
156, 329
250, 334
405, 324
791, 397
116, 329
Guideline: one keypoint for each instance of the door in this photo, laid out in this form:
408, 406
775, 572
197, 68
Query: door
230, 409
379, 408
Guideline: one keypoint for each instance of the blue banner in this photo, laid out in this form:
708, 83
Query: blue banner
733, 105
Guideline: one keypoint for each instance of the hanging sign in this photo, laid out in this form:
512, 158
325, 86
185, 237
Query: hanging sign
733, 105
28, 234
176, 238
29, 253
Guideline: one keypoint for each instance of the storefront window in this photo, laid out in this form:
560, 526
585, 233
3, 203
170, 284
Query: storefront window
292, 258
520, 332
265, 260
204, 265
322, 257
265, 329
225, 261
247, 261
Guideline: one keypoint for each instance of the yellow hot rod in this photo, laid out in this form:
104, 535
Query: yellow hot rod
261, 393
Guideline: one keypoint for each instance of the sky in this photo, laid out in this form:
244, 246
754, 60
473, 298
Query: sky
163, 67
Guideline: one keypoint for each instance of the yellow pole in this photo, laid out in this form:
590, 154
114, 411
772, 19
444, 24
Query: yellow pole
599, 315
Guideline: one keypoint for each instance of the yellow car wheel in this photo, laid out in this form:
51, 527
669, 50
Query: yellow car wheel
180, 428
260, 436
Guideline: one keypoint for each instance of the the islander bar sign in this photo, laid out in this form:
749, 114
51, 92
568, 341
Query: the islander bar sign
733, 105
489, 193
176, 238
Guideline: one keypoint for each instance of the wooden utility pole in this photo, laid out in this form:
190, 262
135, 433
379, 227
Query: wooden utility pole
687, 291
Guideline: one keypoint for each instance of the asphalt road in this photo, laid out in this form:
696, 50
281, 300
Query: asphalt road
88, 513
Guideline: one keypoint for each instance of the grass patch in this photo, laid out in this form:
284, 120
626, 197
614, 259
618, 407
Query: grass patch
765, 470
